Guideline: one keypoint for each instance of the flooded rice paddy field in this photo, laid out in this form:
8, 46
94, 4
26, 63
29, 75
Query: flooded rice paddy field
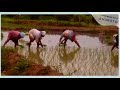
93, 58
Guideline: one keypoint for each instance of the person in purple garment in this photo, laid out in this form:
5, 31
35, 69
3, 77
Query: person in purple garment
14, 36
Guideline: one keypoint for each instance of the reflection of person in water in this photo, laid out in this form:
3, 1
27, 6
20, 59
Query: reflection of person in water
102, 37
35, 55
66, 57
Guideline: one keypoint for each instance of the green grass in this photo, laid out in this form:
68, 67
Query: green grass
45, 19
49, 24
21, 64
29, 23
4, 56
4, 51
23, 24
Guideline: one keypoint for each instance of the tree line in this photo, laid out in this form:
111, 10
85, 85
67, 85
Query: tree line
88, 19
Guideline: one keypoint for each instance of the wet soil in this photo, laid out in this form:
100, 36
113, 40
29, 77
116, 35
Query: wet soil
32, 69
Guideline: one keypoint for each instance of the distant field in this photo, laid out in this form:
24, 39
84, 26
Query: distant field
53, 25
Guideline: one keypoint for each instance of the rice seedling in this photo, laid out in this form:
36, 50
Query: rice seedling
70, 60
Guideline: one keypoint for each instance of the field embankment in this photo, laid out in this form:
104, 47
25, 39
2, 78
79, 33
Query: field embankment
15, 64
54, 25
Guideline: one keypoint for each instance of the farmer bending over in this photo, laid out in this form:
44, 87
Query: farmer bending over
14, 36
68, 34
37, 35
115, 40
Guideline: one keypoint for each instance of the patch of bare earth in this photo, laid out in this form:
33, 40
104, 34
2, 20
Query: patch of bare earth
41, 70
32, 70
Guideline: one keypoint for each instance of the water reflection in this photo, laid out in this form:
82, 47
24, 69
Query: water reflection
67, 56
114, 59
35, 56
102, 37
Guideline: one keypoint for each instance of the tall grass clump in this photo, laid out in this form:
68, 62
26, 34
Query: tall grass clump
12, 61
21, 66
4, 56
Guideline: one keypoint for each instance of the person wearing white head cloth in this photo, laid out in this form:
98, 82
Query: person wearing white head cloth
36, 35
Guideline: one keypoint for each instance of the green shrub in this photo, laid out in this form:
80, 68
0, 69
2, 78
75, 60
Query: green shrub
21, 65
4, 57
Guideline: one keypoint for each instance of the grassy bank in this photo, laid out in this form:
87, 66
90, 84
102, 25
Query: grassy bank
54, 25
14, 64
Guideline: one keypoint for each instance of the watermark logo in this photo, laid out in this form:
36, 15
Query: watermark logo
107, 19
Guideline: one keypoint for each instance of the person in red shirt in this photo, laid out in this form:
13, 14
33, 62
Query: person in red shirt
68, 34
14, 36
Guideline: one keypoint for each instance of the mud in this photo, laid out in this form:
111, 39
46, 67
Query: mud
33, 69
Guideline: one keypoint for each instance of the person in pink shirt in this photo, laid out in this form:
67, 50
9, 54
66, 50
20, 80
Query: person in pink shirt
68, 34
14, 36
36, 35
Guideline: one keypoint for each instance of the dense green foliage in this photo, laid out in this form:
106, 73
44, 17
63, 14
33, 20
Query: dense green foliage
84, 19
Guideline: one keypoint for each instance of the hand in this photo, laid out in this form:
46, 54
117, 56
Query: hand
28, 44
44, 45
60, 43
21, 46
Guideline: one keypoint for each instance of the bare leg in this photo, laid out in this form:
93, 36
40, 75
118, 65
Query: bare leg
29, 44
6, 42
115, 45
37, 44
62, 42
65, 42
77, 44
16, 44
31, 40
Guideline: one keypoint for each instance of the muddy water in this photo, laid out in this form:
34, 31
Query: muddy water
93, 58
